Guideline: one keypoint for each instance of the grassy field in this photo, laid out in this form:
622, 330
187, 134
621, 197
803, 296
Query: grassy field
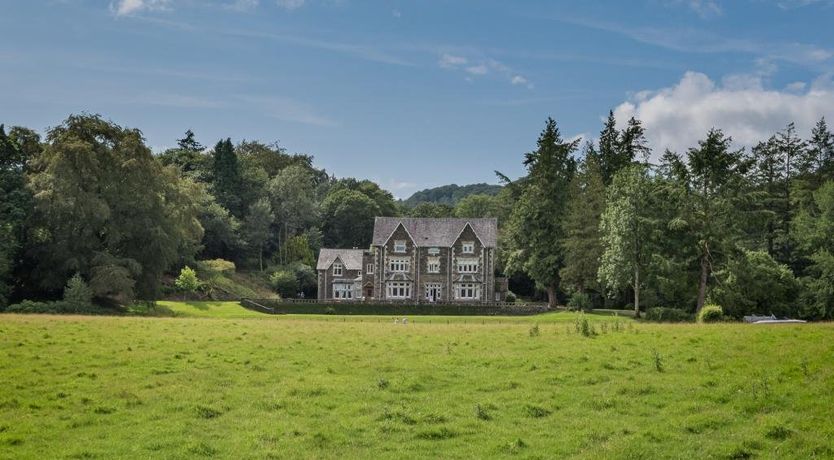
245, 385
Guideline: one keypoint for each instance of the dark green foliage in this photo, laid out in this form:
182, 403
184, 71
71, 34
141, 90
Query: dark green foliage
397, 309
668, 315
754, 283
450, 194
61, 307
77, 291
580, 301
535, 232
227, 183
426, 209
348, 217
106, 209
285, 283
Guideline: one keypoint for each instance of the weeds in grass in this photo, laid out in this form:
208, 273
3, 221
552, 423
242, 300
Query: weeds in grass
382, 383
658, 361
515, 445
208, 412
779, 433
534, 331
536, 411
437, 434
583, 326
481, 413
804, 366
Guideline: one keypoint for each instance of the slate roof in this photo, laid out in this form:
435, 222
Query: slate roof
430, 232
352, 258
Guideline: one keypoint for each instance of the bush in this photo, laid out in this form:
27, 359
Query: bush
217, 266
187, 281
667, 315
77, 291
284, 283
710, 314
58, 307
754, 283
511, 298
580, 301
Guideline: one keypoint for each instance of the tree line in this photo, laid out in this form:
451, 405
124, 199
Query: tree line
90, 201
749, 230
599, 224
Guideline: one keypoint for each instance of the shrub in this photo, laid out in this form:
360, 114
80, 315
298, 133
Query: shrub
77, 291
284, 283
57, 307
217, 265
710, 314
754, 283
511, 298
667, 315
580, 301
187, 281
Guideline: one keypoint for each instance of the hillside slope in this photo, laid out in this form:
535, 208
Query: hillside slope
450, 194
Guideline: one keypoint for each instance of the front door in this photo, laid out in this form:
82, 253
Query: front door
433, 292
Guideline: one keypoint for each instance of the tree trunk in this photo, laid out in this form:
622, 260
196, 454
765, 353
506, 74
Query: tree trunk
551, 296
636, 291
261, 258
702, 284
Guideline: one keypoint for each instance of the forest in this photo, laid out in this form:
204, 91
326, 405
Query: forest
89, 210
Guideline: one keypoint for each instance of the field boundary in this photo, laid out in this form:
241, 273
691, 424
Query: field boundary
381, 307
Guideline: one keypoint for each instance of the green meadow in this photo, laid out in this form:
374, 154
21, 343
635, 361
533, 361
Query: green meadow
221, 381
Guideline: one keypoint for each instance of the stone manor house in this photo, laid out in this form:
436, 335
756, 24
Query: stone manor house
416, 259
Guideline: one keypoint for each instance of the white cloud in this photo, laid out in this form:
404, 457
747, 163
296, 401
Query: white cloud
448, 61
518, 80
128, 7
678, 116
290, 4
242, 5
480, 69
396, 13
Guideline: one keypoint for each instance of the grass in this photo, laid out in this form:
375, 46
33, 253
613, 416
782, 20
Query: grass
257, 386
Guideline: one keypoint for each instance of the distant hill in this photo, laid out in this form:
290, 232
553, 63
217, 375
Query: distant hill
450, 194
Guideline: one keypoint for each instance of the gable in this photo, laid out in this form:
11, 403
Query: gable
429, 232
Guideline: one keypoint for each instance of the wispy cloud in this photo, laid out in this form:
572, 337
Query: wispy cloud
482, 67
692, 40
290, 4
242, 5
128, 7
703, 8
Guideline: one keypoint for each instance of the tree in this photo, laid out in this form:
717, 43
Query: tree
15, 205
187, 281
752, 282
77, 291
256, 228
633, 144
711, 211
610, 160
293, 198
478, 206
106, 209
628, 232
285, 283
189, 143
226, 177
814, 227
536, 229
582, 244
428, 209
819, 157
348, 219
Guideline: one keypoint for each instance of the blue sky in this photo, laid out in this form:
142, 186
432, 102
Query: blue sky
415, 94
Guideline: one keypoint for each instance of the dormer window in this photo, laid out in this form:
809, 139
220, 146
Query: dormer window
468, 247
337, 269
399, 246
369, 269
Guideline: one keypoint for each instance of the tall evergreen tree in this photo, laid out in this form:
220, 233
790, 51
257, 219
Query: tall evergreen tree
256, 228
189, 143
582, 244
227, 180
633, 144
711, 211
819, 159
536, 229
609, 149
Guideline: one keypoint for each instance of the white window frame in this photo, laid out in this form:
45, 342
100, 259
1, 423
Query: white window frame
400, 246
398, 290
438, 286
338, 269
369, 269
467, 265
467, 247
342, 290
467, 291
399, 265
433, 265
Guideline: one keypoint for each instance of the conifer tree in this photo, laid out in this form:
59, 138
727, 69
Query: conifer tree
227, 180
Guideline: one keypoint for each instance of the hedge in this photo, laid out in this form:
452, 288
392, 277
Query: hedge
363, 308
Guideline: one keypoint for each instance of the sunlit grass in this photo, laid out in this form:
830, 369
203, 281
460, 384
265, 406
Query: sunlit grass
289, 387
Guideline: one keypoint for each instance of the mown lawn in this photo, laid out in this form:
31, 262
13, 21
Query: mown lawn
290, 387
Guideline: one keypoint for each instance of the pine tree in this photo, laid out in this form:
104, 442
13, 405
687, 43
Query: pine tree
536, 229
227, 180
633, 144
582, 244
189, 143
609, 145
819, 159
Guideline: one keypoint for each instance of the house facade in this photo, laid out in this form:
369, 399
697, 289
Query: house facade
417, 259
